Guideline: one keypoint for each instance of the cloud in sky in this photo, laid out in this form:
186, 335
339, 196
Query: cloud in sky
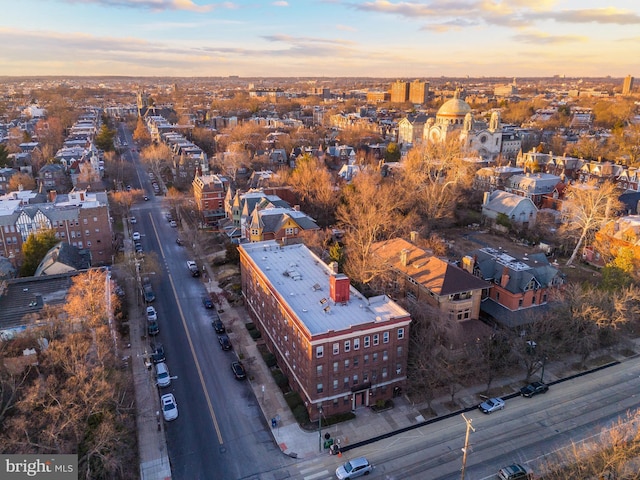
608, 15
351, 37
541, 38
157, 5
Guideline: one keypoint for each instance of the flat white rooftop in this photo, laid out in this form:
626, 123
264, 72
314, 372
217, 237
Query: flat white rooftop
302, 280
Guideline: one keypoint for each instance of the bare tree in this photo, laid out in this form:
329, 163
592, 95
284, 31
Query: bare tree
370, 211
434, 177
156, 155
587, 208
21, 180
312, 181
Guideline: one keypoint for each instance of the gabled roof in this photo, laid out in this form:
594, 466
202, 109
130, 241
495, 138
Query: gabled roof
63, 258
505, 202
527, 273
272, 219
434, 274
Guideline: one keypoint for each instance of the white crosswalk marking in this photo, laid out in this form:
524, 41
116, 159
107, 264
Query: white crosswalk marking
324, 473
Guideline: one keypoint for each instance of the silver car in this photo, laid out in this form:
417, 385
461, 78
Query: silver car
354, 468
491, 405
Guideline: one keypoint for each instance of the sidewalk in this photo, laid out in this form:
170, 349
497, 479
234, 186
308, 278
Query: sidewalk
152, 444
367, 425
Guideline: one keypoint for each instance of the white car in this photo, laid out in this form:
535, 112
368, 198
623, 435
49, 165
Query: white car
135, 236
169, 407
152, 315
163, 379
491, 405
133, 220
354, 468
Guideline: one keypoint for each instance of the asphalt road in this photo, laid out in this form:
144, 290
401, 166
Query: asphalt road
220, 432
529, 431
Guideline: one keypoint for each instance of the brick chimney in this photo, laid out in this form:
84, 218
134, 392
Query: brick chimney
504, 280
339, 288
404, 254
52, 195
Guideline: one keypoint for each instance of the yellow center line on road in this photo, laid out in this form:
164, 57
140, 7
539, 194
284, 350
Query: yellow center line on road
193, 352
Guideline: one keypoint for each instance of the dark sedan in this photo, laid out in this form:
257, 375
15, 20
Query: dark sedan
238, 370
533, 389
218, 326
225, 343
206, 301
158, 355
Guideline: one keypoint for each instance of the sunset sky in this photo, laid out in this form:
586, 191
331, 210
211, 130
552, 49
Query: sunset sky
576, 38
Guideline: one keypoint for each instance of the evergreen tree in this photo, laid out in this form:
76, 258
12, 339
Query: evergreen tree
34, 249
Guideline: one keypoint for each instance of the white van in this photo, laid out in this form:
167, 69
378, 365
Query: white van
163, 379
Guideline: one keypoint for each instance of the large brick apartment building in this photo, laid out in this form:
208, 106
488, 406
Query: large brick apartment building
79, 218
339, 350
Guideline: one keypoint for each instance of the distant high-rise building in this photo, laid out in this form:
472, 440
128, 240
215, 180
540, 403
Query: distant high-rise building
399, 91
418, 92
627, 86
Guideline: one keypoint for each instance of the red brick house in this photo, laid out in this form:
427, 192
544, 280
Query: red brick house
519, 285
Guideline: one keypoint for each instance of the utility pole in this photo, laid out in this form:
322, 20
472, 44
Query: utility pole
466, 444
320, 427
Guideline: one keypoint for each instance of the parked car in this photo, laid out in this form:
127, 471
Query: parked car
533, 389
515, 472
354, 468
206, 301
153, 328
146, 198
135, 236
163, 379
173, 224
133, 220
169, 407
158, 354
138, 247
151, 313
218, 326
225, 342
179, 241
491, 405
193, 268
238, 370
149, 296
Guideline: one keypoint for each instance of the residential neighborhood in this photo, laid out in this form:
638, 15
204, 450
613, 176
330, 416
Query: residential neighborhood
378, 240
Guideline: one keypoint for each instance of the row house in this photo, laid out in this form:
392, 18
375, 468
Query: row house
277, 223
533, 186
623, 232
600, 172
488, 179
339, 350
560, 165
209, 192
79, 218
411, 129
53, 176
421, 277
520, 289
5, 176
239, 205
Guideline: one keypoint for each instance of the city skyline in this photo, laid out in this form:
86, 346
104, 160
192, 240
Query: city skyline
334, 38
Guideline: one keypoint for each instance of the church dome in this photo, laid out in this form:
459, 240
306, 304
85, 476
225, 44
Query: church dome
455, 107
